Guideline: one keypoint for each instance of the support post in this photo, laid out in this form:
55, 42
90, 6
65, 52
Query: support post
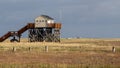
14, 49
46, 48
113, 49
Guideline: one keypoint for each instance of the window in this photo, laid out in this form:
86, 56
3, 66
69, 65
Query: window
42, 20
36, 20
45, 20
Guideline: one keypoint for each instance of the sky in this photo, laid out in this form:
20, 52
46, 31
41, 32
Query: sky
79, 18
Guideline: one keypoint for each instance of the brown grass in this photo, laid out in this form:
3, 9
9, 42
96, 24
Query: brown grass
85, 52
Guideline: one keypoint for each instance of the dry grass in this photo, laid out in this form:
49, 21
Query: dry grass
70, 53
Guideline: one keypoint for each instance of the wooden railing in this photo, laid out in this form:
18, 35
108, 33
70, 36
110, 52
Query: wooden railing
28, 26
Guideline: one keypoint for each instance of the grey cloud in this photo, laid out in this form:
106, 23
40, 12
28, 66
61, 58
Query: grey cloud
87, 16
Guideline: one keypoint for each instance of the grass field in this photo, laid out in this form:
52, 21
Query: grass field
70, 53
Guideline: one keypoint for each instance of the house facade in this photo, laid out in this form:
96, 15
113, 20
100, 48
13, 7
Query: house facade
43, 21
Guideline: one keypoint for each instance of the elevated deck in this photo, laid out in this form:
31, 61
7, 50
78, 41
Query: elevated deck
25, 28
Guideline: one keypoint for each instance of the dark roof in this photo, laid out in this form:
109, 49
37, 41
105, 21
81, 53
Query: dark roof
45, 16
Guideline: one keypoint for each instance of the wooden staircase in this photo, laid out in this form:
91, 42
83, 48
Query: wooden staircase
17, 33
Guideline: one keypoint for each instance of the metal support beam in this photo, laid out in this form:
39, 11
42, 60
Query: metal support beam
56, 35
15, 36
44, 34
31, 35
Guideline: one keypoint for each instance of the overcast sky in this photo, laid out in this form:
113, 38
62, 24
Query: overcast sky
79, 18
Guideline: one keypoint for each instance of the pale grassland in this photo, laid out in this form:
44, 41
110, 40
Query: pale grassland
88, 44
85, 43
69, 53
